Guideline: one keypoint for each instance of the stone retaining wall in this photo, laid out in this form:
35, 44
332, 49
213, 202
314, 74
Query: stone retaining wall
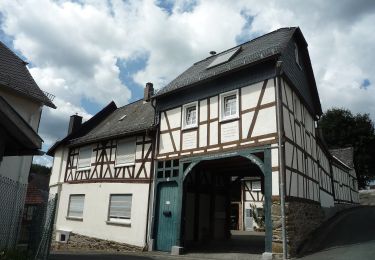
301, 219
78, 242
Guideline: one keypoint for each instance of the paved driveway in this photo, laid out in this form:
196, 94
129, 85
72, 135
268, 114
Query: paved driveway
351, 236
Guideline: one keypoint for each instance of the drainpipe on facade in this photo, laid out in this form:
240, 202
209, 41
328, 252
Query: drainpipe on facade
281, 145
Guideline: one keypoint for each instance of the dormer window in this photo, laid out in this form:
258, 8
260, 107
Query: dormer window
296, 54
190, 118
229, 105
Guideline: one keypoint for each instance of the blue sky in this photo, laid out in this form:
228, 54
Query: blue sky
90, 52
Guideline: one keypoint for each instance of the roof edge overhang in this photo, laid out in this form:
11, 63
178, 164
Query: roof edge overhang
85, 127
46, 101
246, 66
18, 131
74, 143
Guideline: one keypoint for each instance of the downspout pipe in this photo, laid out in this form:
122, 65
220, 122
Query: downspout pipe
281, 145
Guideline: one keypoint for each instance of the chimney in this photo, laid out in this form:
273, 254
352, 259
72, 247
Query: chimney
149, 91
74, 123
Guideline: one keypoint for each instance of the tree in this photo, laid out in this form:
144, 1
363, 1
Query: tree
341, 128
40, 169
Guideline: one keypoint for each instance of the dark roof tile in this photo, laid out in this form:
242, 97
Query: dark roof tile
15, 75
255, 50
137, 116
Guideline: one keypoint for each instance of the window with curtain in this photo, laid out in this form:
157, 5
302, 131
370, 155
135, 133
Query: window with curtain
84, 157
120, 206
76, 204
125, 152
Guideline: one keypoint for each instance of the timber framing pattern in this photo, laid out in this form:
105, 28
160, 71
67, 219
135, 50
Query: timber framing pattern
104, 168
213, 135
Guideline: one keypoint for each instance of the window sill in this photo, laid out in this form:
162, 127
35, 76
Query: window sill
74, 218
123, 165
83, 169
119, 223
189, 127
229, 119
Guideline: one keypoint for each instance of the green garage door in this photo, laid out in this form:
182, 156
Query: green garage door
166, 222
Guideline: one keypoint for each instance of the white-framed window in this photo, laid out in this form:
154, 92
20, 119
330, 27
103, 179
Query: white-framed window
84, 158
76, 204
296, 54
120, 208
190, 115
125, 152
229, 105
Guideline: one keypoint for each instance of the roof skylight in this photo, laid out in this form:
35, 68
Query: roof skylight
224, 57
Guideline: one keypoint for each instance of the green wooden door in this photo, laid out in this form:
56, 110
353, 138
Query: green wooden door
166, 216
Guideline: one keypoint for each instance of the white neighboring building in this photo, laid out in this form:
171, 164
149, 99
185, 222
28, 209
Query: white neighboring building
21, 103
102, 173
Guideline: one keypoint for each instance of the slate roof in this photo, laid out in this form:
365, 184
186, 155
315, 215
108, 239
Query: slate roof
346, 155
252, 51
139, 116
15, 75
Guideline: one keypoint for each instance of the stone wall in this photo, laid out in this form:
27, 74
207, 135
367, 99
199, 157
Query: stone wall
78, 242
302, 217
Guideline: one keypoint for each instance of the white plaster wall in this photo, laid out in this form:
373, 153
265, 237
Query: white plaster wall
174, 117
17, 167
59, 166
96, 211
165, 143
266, 122
214, 107
326, 200
203, 110
250, 95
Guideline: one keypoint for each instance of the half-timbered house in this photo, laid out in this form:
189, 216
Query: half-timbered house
102, 173
234, 133
245, 117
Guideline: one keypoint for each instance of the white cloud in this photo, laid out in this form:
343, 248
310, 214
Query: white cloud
74, 46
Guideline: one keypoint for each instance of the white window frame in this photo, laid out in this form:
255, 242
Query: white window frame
185, 108
120, 220
222, 115
126, 140
85, 167
69, 216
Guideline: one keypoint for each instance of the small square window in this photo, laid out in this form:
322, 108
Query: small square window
76, 204
190, 115
120, 207
229, 105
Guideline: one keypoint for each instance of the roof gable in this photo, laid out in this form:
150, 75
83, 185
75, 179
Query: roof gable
15, 76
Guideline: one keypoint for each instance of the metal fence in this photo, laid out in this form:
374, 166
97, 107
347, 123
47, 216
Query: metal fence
12, 199
40, 230
37, 233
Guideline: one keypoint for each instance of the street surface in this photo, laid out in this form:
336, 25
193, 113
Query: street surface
351, 236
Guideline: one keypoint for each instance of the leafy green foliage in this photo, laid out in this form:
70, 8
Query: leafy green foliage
40, 169
343, 129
